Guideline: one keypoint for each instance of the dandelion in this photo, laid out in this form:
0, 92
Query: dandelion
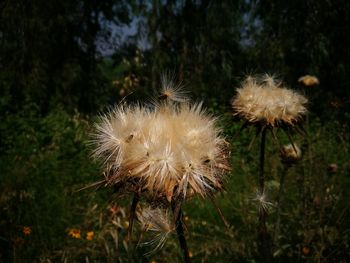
90, 235
263, 203
267, 104
27, 230
172, 91
264, 101
163, 153
309, 81
167, 152
74, 233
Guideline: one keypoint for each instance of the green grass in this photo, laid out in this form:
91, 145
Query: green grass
44, 160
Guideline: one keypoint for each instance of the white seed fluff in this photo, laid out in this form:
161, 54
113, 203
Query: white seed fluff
166, 151
266, 102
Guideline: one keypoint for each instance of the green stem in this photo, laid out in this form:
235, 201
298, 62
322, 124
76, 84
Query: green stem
180, 233
264, 245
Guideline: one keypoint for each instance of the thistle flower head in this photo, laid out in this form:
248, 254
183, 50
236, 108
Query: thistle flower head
290, 153
265, 101
164, 152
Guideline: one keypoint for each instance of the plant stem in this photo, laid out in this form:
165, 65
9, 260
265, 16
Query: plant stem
264, 245
180, 233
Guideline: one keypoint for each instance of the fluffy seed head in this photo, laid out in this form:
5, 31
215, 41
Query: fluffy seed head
309, 81
265, 101
290, 153
165, 152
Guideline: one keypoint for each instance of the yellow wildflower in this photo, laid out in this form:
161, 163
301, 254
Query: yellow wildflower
90, 235
26, 230
75, 233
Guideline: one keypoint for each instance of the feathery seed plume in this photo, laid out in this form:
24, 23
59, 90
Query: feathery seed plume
158, 221
164, 152
265, 101
171, 90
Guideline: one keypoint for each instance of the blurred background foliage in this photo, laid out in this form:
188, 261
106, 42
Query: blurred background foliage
63, 62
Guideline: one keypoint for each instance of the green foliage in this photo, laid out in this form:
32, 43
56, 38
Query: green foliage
44, 161
49, 52
53, 79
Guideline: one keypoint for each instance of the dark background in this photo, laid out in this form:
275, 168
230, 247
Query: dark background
63, 62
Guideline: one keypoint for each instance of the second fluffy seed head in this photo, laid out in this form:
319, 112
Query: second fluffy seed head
263, 100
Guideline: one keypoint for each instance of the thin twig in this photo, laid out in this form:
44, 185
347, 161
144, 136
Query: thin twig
180, 232
223, 218
134, 203
263, 236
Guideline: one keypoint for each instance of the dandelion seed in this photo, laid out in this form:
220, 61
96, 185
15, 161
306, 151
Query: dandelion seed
172, 91
157, 221
265, 101
263, 204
